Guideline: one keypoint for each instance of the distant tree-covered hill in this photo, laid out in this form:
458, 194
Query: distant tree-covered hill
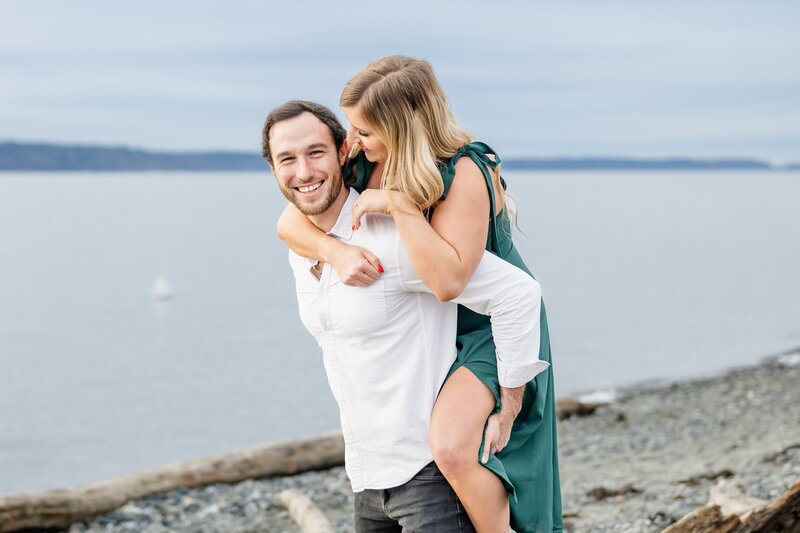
19, 156
15, 156
604, 163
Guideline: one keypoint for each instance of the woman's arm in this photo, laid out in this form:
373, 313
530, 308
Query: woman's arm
446, 252
355, 266
512, 299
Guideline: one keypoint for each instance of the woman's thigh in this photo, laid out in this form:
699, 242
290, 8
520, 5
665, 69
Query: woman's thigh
461, 410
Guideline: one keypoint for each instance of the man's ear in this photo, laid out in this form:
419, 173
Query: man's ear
272, 168
343, 152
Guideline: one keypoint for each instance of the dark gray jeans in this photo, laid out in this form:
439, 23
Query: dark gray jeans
426, 503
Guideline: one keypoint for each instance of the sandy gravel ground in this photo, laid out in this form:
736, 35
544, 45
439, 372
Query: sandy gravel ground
636, 465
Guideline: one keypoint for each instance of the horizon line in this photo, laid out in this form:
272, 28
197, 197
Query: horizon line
513, 159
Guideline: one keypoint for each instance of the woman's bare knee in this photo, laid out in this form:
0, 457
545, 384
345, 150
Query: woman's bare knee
453, 453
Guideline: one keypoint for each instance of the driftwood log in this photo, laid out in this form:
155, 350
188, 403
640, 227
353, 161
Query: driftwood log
305, 514
707, 518
782, 514
567, 407
60, 508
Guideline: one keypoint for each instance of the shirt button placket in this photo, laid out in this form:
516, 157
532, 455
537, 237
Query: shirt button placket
324, 310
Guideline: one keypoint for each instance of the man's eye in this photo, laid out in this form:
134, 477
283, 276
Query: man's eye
317, 152
286, 160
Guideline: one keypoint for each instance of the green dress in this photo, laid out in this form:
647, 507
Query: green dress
528, 465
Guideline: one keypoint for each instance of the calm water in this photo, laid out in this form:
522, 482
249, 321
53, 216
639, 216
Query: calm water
646, 275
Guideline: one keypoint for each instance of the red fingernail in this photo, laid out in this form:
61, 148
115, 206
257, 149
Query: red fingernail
380, 268
354, 227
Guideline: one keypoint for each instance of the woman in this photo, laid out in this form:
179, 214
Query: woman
445, 194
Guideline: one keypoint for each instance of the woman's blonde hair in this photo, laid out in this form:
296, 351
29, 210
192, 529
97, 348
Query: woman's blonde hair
401, 99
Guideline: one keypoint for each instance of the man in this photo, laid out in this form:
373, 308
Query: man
387, 348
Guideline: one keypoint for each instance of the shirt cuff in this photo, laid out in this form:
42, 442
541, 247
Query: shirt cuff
516, 376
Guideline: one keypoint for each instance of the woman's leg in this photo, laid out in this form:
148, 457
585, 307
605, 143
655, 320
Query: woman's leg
459, 415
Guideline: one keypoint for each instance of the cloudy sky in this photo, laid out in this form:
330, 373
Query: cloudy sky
627, 78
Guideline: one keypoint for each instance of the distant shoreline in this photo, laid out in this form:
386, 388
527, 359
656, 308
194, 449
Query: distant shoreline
46, 157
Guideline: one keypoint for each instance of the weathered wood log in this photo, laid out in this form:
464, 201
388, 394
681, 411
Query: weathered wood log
705, 519
567, 407
783, 514
733, 500
60, 508
738, 515
601, 493
305, 514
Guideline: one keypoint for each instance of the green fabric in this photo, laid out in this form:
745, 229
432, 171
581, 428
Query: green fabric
528, 465
356, 172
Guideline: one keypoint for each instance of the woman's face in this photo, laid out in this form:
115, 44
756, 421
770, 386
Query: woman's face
363, 135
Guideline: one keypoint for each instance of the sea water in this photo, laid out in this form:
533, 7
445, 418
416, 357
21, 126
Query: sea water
646, 275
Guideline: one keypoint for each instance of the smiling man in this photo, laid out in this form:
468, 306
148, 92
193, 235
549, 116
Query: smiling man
312, 182
387, 348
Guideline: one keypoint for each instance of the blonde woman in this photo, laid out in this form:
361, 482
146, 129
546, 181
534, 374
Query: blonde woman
493, 426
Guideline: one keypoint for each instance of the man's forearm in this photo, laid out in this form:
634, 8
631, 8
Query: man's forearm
511, 400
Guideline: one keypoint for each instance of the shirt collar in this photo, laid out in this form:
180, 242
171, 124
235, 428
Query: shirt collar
343, 229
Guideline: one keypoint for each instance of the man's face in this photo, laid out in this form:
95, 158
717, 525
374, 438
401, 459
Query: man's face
305, 163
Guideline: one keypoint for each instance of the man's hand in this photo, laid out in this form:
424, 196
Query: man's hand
356, 266
498, 428
498, 431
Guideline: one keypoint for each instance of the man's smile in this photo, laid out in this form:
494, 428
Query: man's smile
310, 187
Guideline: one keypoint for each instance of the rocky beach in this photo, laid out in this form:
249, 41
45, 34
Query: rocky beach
637, 464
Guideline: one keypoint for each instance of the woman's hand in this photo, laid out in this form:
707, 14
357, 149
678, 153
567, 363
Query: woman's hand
379, 201
370, 201
498, 431
356, 266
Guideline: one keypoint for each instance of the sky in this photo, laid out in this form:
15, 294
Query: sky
618, 78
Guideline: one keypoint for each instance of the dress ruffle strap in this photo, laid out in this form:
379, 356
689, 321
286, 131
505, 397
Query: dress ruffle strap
485, 158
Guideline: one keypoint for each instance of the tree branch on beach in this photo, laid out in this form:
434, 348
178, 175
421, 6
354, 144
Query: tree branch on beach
303, 511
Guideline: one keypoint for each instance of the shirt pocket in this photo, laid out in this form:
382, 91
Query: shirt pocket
310, 304
358, 311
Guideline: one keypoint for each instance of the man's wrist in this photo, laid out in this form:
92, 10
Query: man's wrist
511, 399
508, 413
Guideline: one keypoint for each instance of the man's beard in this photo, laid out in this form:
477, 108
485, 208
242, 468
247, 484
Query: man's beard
307, 209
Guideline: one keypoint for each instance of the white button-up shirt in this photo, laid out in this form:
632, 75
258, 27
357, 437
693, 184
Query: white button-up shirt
387, 348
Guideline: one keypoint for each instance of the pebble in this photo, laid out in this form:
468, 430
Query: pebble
670, 444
